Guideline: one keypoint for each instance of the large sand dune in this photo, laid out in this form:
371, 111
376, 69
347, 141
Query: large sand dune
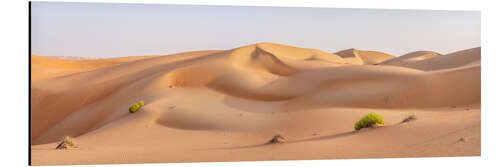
225, 105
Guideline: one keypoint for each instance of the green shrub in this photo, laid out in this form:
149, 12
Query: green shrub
136, 107
369, 120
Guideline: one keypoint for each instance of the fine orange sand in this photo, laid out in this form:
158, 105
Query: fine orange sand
225, 105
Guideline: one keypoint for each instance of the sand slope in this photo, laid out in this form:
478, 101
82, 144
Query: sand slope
225, 105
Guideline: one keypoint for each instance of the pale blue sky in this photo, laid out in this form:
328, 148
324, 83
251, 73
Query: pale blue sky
116, 30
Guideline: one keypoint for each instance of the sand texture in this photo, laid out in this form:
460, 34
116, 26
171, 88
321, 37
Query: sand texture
226, 105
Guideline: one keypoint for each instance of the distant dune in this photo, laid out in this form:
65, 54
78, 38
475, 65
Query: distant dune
224, 105
427, 60
360, 57
49, 67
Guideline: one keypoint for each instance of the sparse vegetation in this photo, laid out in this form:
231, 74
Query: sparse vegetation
409, 118
135, 107
67, 143
278, 138
369, 120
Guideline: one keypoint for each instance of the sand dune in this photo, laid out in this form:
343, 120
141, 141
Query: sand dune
360, 57
48, 67
428, 61
225, 105
55, 98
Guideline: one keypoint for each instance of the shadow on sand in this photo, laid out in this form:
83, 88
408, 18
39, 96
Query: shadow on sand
333, 136
327, 137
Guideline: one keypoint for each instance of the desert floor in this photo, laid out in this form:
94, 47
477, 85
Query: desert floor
225, 105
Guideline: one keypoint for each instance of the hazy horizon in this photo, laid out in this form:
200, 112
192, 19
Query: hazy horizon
115, 30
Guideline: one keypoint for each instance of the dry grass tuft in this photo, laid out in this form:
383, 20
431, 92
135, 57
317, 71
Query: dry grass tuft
278, 138
67, 143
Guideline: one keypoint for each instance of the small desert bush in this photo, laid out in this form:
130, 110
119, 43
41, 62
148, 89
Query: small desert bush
66, 143
369, 120
278, 138
136, 107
